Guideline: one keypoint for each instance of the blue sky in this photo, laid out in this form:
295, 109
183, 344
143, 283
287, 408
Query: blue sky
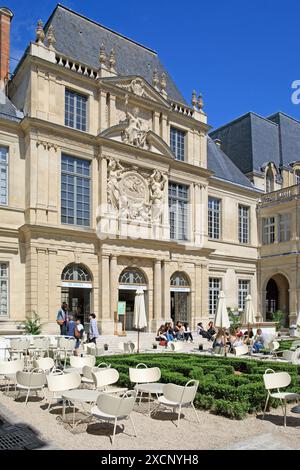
243, 55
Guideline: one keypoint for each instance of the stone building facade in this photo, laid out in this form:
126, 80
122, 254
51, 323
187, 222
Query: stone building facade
110, 181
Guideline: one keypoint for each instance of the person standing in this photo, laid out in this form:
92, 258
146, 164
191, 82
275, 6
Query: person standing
71, 326
93, 330
62, 318
78, 334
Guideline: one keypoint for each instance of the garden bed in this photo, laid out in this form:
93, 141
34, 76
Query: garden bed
221, 390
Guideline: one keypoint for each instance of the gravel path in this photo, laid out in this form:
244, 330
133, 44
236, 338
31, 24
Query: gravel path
214, 432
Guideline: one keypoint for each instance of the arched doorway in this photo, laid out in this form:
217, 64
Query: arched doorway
76, 290
180, 297
277, 297
130, 280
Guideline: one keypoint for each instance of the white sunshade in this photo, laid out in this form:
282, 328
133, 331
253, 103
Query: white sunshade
298, 320
248, 317
221, 317
140, 319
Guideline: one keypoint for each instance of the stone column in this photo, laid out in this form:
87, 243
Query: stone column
107, 325
156, 122
166, 308
113, 286
54, 289
42, 294
112, 111
53, 190
198, 214
164, 129
157, 294
102, 111
42, 182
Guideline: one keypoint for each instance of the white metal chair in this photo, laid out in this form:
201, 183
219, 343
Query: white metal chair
58, 382
176, 346
87, 373
31, 381
105, 378
40, 347
128, 348
241, 350
79, 362
292, 356
177, 397
112, 408
65, 348
8, 370
277, 381
44, 363
142, 375
19, 347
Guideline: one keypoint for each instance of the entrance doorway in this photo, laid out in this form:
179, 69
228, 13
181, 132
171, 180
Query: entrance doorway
129, 281
76, 291
180, 298
277, 297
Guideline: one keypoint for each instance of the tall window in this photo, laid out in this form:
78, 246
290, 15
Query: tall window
75, 110
284, 227
214, 218
178, 209
214, 292
269, 181
268, 230
3, 176
178, 143
244, 224
3, 289
244, 291
297, 176
75, 191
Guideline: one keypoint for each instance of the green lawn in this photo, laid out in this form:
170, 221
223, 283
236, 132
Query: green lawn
227, 386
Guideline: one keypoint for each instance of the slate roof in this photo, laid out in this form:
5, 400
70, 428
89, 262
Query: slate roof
8, 110
80, 38
250, 141
289, 132
223, 167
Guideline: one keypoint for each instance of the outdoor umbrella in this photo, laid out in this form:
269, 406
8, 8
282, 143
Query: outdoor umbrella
298, 321
248, 317
140, 319
221, 317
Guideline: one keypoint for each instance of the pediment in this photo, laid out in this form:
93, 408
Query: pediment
139, 87
151, 142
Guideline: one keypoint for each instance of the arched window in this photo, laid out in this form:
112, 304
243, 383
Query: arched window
76, 273
180, 280
132, 276
269, 181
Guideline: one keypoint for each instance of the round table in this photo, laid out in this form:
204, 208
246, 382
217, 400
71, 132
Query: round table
150, 389
82, 396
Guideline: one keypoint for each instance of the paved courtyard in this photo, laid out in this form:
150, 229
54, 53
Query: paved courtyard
214, 432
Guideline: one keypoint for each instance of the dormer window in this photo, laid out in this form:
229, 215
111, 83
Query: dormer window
269, 181
177, 143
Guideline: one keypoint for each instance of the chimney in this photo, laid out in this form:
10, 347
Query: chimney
6, 16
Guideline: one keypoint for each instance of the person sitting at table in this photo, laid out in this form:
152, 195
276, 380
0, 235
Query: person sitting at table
219, 340
179, 331
169, 332
201, 331
211, 329
249, 335
259, 341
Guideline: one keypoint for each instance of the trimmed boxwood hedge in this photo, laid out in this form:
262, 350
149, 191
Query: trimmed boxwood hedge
227, 386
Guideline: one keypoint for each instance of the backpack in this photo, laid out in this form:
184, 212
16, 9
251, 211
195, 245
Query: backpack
78, 334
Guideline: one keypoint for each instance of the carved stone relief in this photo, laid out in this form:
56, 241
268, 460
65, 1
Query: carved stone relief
136, 196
